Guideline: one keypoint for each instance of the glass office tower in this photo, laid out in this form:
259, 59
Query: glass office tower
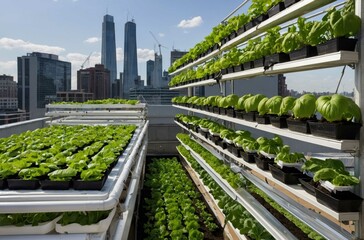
130, 76
108, 48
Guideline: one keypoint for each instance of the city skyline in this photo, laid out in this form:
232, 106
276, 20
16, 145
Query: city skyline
73, 37
130, 71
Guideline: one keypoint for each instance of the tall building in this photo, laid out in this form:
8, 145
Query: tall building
40, 77
8, 93
108, 49
130, 76
176, 54
94, 80
157, 71
150, 68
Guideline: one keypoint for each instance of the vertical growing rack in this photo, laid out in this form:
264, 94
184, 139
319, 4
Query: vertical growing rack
305, 207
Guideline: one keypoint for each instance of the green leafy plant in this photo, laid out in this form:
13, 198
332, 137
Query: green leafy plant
251, 103
304, 106
284, 155
337, 107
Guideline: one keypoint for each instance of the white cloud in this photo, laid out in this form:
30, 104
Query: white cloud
191, 23
161, 35
9, 43
92, 40
145, 54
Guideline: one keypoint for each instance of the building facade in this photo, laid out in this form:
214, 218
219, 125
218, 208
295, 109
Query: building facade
40, 77
130, 76
157, 71
8, 93
108, 48
74, 96
175, 54
150, 68
94, 80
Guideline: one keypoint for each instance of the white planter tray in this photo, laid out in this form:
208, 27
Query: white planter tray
99, 227
282, 164
42, 228
332, 188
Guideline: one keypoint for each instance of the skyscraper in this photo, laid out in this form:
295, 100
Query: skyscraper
108, 49
40, 77
150, 68
130, 59
157, 71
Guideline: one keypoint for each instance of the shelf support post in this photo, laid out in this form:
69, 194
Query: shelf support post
359, 99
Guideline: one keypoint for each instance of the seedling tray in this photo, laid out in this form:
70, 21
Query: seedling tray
89, 185
47, 184
305, 52
298, 125
250, 116
262, 119
276, 9
20, 184
248, 157
278, 121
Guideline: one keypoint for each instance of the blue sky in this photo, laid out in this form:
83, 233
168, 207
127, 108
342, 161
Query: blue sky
72, 29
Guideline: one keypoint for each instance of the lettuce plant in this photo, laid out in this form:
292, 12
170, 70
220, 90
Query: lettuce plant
251, 103
304, 106
337, 107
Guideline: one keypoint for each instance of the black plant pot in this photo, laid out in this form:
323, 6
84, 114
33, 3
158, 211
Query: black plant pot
254, 22
278, 121
248, 65
288, 3
20, 184
299, 125
239, 114
233, 35
3, 184
263, 162
89, 185
248, 157
336, 45
203, 133
215, 139
241, 30
305, 52
47, 184
230, 112
236, 151
308, 185
222, 144
222, 111
335, 130
262, 119
287, 175
216, 110
250, 116
238, 68
275, 58
276, 9
259, 62
343, 202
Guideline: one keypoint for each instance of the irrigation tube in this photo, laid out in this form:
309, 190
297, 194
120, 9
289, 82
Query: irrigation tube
81, 205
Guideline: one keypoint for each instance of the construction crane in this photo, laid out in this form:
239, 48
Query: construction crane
159, 45
87, 59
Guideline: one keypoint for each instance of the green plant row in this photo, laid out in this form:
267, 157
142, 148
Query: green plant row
62, 152
332, 170
218, 165
173, 207
334, 24
34, 219
103, 101
223, 30
335, 107
234, 212
252, 188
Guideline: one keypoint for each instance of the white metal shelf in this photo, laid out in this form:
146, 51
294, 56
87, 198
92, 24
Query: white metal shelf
343, 145
27, 201
294, 11
261, 214
318, 62
294, 190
